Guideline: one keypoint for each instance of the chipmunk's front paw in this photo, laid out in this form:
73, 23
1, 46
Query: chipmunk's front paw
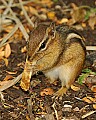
61, 91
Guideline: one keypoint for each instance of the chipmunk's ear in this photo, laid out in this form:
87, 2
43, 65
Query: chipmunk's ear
52, 26
50, 31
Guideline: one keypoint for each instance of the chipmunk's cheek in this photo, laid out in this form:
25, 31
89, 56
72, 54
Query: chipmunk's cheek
42, 64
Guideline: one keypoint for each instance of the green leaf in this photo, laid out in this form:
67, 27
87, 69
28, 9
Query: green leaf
86, 70
87, 15
85, 74
89, 12
81, 78
55, 0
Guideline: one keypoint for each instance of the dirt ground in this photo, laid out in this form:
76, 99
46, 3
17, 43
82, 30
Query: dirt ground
20, 105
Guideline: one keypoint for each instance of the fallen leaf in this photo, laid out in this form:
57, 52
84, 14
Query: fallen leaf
7, 51
6, 61
93, 88
83, 25
27, 117
1, 54
1, 49
77, 14
94, 106
63, 20
47, 91
86, 100
33, 11
92, 99
11, 72
9, 28
75, 88
47, 2
23, 50
51, 15
8, 77
92, 22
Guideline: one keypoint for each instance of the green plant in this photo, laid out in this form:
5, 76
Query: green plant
85, 74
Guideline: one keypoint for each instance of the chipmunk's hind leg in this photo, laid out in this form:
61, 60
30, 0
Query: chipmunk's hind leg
67, 77
61, 91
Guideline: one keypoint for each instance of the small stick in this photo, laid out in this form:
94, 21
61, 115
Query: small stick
17, 4
29, 101
25, 13
8, 36
88, 114
90, 47
17, 20
11, 83
55, 111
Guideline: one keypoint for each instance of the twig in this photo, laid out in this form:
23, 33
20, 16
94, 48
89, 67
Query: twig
17, 4
8, 36
90, 47
17, 21
7, 10
55, 111
29, 101
25, 13
88, 114
11, 83
77, 98
2, 97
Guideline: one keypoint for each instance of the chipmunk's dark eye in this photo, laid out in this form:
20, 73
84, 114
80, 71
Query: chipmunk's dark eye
43, 45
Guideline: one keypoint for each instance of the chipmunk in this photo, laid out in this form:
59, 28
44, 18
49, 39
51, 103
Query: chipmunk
57, 51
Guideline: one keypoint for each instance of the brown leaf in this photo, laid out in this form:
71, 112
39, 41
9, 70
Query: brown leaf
12, 73
23, 49
92, 99
47, 91
94, 106
77, 15
8, 77
33, 10
6, 61
88, 99
63, 20
8, 28
51, 15
7, 51
1, 54
92, 22
93, 88
1, 49
47, 2
75, 88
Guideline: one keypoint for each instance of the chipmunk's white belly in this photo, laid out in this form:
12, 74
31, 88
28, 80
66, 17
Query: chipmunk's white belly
59, 73
53, 73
